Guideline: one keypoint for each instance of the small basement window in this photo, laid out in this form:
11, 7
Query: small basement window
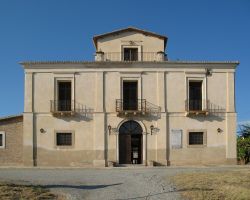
196, 138
64, 139
2, 139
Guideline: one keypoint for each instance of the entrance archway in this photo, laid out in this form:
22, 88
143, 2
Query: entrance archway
130, 143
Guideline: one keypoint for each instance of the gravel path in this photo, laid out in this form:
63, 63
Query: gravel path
106, 183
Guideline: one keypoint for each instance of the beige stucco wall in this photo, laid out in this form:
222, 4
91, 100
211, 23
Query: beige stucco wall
97, 85
12, 155
113, 43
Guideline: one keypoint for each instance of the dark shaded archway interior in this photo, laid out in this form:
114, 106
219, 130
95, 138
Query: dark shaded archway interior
130, 143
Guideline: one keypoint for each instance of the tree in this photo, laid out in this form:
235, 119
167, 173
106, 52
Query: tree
243, 143
244, 130
243, 149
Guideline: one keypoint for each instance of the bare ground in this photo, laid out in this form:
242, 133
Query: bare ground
229, 185
130, 183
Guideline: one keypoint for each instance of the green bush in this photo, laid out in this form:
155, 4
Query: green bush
243, 149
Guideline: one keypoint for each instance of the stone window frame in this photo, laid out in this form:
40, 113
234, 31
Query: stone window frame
139, 47
3, 139
64, 146
193, 77
64, 78
204, 138
135, 76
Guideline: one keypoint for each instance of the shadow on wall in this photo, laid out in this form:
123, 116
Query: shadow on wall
80, 115
211, 117
81, 187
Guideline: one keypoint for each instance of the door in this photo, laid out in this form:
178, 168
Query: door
195, 95
130, 143
125, 147
130, 95
64, 96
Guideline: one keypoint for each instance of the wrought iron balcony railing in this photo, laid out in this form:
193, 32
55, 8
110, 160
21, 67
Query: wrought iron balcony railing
61, 107
69, 108
138, 107
121, 56
201, 107
197, 106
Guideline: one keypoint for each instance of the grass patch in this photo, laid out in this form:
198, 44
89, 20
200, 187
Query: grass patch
9, 191
228, 185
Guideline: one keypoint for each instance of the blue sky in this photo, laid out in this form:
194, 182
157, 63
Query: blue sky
63, 30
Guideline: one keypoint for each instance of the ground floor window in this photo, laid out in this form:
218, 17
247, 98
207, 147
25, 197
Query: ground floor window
197, 138
2, 139
64, 139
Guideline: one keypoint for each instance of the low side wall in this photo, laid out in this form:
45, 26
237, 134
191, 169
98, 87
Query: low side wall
12, 153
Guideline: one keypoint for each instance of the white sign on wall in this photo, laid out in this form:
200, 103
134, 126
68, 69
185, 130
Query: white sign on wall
176, 139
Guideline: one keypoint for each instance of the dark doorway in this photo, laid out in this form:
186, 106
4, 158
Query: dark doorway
130, 54
64, 96
195, 95
130, 143
130, 95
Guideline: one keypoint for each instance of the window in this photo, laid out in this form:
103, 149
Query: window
2, 139
64, 96
195, 95
64, 139
196, 138
130, 95
130, 54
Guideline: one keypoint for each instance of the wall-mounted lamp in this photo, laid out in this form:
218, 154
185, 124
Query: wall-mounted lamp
152, 128
42, 130
109, 129
219, 130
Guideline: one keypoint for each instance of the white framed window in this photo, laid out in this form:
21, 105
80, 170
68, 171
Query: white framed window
2, 139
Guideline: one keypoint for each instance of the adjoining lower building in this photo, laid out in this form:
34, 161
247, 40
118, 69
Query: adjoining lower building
131, 105
11, 140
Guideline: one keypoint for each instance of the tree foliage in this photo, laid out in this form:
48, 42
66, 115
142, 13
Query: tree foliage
243, 143
243, 149
244, 130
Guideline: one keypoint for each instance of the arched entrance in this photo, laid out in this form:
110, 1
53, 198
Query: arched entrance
130, 143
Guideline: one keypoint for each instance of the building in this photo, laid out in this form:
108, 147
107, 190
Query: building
131, 105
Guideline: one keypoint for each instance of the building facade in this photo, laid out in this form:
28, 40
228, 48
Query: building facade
131, 105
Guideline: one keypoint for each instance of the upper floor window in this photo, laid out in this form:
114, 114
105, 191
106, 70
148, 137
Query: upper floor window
130, 95
130, 54
195, 95
64, 96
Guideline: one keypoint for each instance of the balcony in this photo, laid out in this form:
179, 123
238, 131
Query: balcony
62, 108
140, 107
130, 57
197, 107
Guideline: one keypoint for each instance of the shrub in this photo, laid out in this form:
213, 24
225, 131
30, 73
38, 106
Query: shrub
243, 149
